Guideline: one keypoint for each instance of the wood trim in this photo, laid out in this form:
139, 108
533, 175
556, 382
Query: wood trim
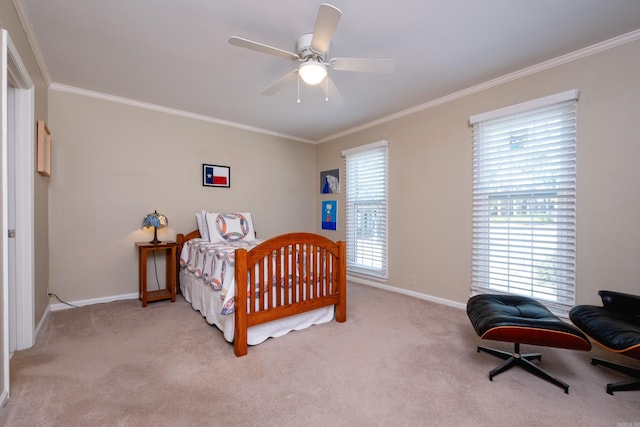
44, 149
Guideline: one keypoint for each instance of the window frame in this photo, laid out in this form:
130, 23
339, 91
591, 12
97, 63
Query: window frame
518, 192
367, 245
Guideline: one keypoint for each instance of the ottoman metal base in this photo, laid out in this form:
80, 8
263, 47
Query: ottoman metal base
522, 320
524, 361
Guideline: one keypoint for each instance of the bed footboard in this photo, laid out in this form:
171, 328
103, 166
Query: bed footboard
289, 274
283, 276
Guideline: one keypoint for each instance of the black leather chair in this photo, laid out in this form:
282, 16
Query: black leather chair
616, 327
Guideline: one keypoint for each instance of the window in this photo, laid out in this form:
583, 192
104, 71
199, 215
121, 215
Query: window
366, 210
524, 201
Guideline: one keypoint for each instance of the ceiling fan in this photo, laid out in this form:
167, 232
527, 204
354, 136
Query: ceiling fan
312, 52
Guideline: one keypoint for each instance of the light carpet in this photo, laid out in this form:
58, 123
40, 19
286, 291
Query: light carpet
397, 361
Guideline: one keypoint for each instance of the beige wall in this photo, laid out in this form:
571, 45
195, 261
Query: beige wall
430, 186
108, 157
113, 163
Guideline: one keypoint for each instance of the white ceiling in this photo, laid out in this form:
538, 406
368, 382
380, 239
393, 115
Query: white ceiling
174, 54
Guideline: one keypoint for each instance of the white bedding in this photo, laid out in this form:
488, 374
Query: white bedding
207, 282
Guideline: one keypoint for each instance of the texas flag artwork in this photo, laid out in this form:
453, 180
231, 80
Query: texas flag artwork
216, 176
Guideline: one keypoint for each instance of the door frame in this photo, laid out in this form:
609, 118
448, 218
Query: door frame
24, 198
14, 71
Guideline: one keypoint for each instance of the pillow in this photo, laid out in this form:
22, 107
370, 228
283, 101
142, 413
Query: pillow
202, 224
620, 302
230, 227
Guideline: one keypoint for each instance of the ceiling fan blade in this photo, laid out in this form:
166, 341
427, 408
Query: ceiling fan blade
326, 23
249, 44
331, 92
281, 83
369, 65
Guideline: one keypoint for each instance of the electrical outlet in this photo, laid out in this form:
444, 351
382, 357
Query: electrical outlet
412, 279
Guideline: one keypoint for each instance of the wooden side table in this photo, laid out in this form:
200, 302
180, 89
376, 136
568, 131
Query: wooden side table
170, 291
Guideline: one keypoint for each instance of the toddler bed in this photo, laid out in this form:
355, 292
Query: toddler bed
289, 282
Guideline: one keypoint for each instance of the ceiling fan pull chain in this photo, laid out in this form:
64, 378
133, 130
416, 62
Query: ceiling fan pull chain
298, 88
326, 92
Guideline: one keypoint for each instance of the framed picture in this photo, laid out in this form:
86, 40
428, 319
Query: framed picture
44, 149
329, 214
330, 181
216, 176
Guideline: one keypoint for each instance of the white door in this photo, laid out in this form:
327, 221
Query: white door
11, 216
17, 126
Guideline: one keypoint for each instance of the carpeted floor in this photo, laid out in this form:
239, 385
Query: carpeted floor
398, 361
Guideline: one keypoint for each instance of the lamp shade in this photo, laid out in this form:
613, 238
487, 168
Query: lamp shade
312, 72
155, 220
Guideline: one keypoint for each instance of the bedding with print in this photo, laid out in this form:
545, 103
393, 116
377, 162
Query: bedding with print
214, 263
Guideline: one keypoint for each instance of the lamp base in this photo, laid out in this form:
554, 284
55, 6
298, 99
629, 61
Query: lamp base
155, 240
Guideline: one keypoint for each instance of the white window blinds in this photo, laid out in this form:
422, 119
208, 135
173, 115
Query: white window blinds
524, 201
366, 210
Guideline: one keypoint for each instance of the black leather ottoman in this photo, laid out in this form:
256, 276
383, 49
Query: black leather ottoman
522, 320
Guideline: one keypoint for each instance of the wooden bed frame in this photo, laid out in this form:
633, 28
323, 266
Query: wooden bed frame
318, 282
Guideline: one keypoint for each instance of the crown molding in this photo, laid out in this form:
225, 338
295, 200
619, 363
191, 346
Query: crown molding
546, 65
148, 106
33, 40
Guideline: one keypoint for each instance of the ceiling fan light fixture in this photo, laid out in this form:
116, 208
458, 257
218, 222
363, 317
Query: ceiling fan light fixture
312, 72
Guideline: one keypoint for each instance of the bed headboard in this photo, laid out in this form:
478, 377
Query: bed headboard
180, 239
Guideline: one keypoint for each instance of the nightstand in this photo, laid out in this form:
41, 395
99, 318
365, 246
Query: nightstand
170, 252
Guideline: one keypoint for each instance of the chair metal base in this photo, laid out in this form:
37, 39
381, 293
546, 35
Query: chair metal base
524, 361
627, 385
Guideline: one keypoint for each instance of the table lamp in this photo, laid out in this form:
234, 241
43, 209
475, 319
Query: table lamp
156, 221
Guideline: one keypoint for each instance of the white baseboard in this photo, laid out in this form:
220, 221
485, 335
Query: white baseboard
81, 303
414, 294
41, 322
356, 279
4, 397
